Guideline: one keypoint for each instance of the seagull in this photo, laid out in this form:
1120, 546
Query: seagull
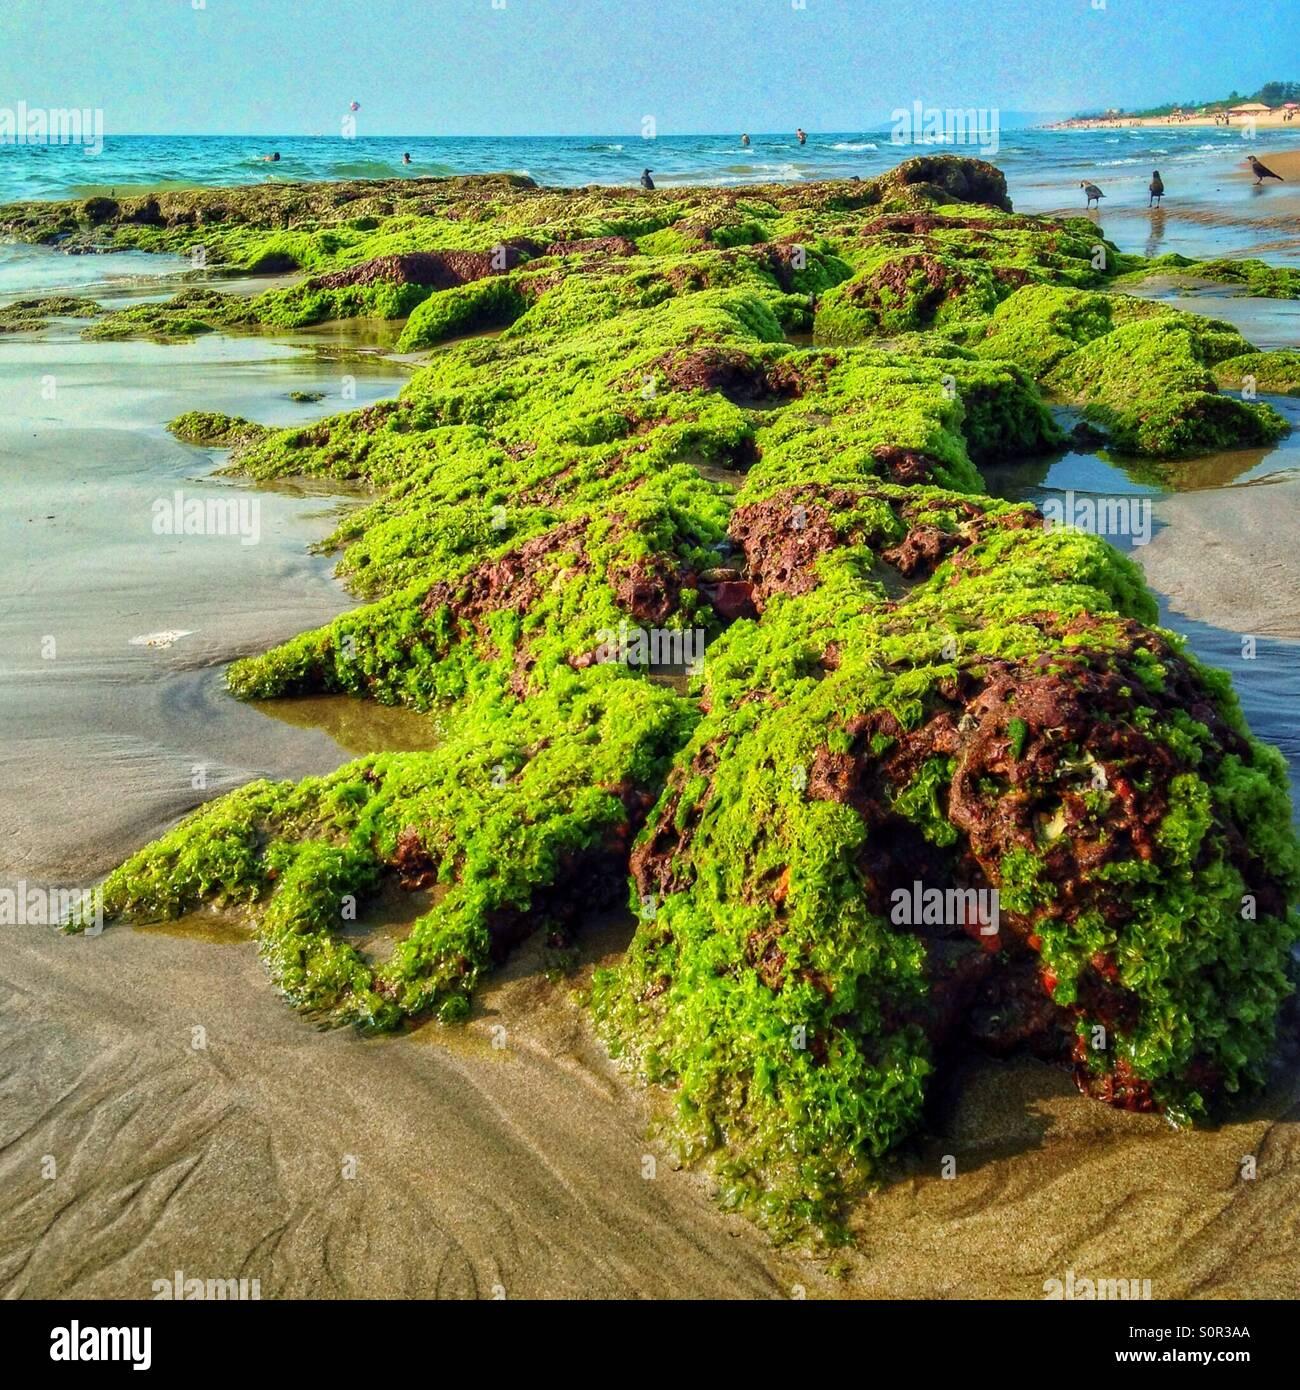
1262, 171
646, 180
1157, 188
1093, 192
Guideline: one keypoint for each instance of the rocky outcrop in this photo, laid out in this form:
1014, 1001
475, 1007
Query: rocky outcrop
722, 617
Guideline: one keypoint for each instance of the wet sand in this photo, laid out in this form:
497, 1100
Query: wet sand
112, 736
1233, 563
1047, 1183
1212, 207
481, 1170
475, 1166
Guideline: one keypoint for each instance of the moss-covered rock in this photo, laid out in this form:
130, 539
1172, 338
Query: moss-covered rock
1007, 730
661, 554
1146, 373
523, 815
24, 315
187, 315
1257, 278
1278, 373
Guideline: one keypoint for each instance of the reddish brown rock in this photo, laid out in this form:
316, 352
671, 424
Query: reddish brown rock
442, 270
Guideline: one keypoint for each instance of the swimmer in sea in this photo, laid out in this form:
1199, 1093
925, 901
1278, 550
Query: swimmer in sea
271, 158
803, 139
744, 140
406, 159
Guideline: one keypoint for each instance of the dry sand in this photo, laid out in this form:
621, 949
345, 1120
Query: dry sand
1284, 162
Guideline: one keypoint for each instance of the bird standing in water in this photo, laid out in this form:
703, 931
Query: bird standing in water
1262, 171
1157, 189
1093, 192
646, 180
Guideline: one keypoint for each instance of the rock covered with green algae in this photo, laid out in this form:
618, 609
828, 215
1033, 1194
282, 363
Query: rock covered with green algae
517, 615
853, 263
24, 315
1147, 373
905, 683
524, 813
1257, 278
1006, 723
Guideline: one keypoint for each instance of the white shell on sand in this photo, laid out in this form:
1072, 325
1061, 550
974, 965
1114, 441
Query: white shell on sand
160, 639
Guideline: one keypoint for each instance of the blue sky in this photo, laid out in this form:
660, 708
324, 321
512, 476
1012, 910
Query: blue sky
446, 67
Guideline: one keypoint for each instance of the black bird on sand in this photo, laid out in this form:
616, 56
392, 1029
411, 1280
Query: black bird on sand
1262, 171
646, 180
1157, 188
1093, 193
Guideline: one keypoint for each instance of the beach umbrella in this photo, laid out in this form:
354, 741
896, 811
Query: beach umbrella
1291, 105
1249, 108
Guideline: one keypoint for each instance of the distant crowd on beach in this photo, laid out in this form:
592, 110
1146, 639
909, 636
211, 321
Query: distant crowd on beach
1251, 114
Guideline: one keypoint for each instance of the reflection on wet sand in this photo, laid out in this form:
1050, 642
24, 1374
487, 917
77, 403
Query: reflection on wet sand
79, 476
358, 726
1157, 233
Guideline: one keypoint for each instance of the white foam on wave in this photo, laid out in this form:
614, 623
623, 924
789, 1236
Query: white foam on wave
855, 145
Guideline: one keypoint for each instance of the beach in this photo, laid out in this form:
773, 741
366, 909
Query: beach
507, 1156
519, 1172
1278, 119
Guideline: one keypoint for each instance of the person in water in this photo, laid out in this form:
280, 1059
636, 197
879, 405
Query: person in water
646, 180
803, 139
744, 139
271, 158
406, 158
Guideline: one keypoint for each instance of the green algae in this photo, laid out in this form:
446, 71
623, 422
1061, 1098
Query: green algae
455, 313
1257, 278
1275, 372
1148, 374
24, 315
789, 823
521, 612
187, 315
518, 798
903, 681
212, 429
